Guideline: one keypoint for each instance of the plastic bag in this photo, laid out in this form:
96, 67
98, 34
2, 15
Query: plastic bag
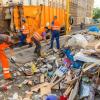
78, 40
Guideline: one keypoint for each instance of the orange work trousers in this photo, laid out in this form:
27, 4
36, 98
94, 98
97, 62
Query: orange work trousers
5, 64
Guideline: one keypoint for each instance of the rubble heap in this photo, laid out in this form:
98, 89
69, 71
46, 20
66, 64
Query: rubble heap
72, 73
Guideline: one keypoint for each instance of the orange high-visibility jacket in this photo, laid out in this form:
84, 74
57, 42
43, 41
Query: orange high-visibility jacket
4, 61
41, 30
3, 46
25, 28
37, 36
4, 43
56, 25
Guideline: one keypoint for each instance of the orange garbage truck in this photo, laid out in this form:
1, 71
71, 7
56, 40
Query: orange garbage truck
40, 12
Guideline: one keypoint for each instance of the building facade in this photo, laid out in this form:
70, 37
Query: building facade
89, 10
81, 10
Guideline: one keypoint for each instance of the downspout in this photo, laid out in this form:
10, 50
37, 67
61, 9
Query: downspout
49, 9
67, 16
44, 11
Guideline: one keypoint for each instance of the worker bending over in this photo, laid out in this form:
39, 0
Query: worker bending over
37, 37
5, 42
55, 28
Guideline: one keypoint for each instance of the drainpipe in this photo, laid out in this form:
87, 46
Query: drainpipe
67, 16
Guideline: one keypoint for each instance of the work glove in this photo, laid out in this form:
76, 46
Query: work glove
13, 59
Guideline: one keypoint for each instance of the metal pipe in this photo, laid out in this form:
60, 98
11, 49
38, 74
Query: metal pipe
49, 10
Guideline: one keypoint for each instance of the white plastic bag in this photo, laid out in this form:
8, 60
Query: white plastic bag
78, 40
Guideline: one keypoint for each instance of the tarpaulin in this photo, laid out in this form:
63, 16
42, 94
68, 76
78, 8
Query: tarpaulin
93, 29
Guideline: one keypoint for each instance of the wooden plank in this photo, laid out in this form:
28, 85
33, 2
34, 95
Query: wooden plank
89, 67
68, 77
56, 87
45, 89
58, 81
74, 92
37, 87
72, 81
68, 90
53, 79
94, 33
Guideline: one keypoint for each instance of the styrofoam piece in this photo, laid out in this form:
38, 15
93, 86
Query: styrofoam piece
82, 57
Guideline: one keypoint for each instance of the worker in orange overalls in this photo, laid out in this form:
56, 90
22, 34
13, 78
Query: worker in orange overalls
5, 42
37, 37
25, 32
55, 27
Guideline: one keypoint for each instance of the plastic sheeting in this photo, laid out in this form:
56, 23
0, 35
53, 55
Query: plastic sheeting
93, 29
82, 57
78, 40
84, 90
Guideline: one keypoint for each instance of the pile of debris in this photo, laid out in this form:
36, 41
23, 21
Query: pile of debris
72, 73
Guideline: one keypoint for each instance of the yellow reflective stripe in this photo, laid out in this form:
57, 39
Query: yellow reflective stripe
5, 68
55, 27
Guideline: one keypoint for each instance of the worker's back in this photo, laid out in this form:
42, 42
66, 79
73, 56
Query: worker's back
4, 40
41, 30
37, 36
